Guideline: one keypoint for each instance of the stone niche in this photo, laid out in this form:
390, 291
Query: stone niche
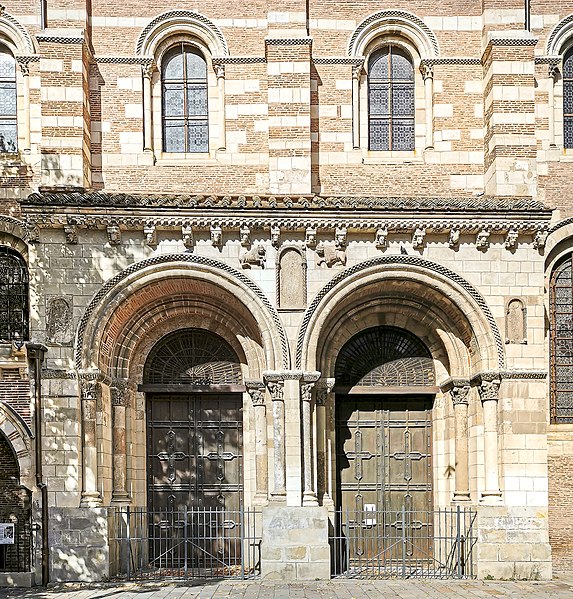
295, 543
291, 274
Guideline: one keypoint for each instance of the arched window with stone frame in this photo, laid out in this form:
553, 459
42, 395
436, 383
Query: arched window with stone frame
391, 100
561, 341
14, 305
184, 94
568, 98
8, 102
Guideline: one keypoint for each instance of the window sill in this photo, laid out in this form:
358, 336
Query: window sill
175, 159
391, 157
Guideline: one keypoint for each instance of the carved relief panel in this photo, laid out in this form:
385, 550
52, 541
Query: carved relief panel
516, 322
291, 278
59, 319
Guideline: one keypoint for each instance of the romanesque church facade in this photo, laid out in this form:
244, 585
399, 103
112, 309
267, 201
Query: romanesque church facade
305, 262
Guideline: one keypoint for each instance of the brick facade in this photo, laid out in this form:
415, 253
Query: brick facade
127, 243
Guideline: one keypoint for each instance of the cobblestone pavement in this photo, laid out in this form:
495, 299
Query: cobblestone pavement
340, 589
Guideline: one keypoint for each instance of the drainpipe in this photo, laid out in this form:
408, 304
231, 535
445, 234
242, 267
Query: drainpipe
528, 15
43, 14
35, 354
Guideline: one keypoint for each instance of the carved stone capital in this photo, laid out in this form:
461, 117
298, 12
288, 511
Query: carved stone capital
119, 393
90, 390
427, 70
276, 389
219, 70
306, 391
488, 390
323, 388
256, 390
357, 71
148, 69
460, 395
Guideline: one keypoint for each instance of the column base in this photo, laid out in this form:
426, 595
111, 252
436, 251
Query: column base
91, 499
461, 497
121, 498
309, 498
490, 497
260, 499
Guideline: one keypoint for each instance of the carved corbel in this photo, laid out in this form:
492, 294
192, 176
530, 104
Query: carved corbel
150, 234
187, 236
32, 233
245, 236
511, 239
275, 235
482, 239
454, 238
340, 238
216, 236
540, 240
310, 237
71, 232
114, 235
381, 240
418, 238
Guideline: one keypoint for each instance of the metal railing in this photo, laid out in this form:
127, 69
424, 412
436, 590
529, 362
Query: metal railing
404, 544
187, 544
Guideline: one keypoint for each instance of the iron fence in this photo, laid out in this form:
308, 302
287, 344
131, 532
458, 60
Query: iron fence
404, 544
188, 544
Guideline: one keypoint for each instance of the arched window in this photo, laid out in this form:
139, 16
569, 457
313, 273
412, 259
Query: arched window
184, 99
390, 100
13, 296
568, 99
8, 130
561, 334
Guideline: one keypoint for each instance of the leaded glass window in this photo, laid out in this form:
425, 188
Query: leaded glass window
390, 100
8, 131
184, 91
13, 296
561, 335
568, 99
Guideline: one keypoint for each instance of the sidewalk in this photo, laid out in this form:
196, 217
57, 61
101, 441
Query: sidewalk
336, 589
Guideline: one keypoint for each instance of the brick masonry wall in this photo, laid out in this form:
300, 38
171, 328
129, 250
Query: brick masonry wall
560, 469
15, 506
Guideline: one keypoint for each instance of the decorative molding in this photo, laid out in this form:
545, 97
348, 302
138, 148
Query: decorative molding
406, 260
396, 18
559, 34
513, 41
13, 24
355, 61
178, 16
52, 373
310, 202
192, 259
142, 60
454, 60
238, 60
288, 41
60, 39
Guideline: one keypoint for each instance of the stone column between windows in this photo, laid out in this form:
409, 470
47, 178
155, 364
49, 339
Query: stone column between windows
119, 401
276, 389
220, 73
90, 393
324, 405
488, 391
147, 72
356, 74
256, 390
460, 399
25, 70
553, 70
427, 71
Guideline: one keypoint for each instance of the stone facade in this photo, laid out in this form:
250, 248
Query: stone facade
288, 238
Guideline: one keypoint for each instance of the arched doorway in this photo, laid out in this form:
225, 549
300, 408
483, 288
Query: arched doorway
194, 422
384, 392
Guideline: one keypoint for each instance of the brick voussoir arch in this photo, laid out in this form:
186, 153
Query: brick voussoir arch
108, 299
321, 303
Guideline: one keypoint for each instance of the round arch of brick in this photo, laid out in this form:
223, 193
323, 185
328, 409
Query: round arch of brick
435, 304
150, 299
392, 23
19, 439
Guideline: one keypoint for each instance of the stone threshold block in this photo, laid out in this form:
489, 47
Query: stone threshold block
295, 543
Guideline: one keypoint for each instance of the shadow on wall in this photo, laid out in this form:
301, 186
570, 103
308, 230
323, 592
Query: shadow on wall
58, 170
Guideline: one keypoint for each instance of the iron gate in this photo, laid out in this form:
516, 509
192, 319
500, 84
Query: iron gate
404, 543
193, 543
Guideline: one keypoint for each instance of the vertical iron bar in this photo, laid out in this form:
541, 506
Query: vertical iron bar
185, 548
128, 535
403, 542
241, 540
458, 542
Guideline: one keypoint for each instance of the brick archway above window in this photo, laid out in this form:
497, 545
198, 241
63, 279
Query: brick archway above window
394, 22
177, 22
